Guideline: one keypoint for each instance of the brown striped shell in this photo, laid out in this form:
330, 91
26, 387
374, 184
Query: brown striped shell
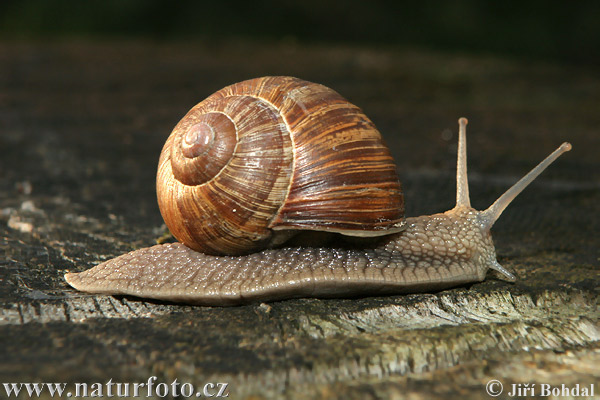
275, 154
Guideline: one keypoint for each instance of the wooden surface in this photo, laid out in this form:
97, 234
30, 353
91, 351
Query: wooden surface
81, 127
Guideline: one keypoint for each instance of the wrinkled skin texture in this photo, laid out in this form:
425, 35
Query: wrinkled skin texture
434, 252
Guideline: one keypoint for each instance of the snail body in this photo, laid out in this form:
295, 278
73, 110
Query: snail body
325, 168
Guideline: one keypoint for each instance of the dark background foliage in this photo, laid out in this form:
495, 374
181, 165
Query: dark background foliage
557, 30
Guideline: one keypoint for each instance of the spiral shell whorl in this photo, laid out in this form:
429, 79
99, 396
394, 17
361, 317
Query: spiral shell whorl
204, 144
228, 212
274, 153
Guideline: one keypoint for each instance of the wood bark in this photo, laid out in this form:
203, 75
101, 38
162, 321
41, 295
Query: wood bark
82, 125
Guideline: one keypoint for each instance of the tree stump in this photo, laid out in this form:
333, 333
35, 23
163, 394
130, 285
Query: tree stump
83, 123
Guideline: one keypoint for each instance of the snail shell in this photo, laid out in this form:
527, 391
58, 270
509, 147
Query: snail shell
261, 159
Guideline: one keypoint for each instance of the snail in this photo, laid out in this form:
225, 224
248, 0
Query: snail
272, 159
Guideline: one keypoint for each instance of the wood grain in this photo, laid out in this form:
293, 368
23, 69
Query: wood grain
82, 125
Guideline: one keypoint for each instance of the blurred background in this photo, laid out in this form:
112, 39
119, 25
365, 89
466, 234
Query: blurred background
565, 31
